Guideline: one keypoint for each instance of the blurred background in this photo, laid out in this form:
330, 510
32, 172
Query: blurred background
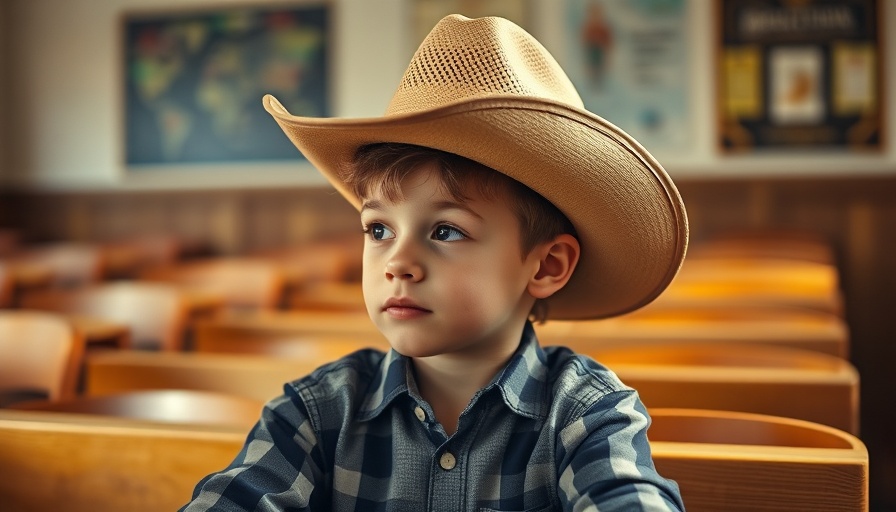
702, 84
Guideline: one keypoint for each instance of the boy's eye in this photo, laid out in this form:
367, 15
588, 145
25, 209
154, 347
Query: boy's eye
445, 233
379, 231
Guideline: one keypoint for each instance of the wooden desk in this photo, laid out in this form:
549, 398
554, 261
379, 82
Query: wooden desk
822, 332
80, 463
165, 406
254, 376
289, 333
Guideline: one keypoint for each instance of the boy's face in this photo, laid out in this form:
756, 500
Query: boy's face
442, 276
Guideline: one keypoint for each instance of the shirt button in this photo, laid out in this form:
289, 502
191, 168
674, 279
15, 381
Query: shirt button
419, 412
447, 461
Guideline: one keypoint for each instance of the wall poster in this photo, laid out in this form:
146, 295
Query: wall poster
800, 74
193, 82
629, 61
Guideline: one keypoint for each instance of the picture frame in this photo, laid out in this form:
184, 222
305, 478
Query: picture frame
800, 75
193, 81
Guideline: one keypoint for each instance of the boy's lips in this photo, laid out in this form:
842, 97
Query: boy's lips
404, 308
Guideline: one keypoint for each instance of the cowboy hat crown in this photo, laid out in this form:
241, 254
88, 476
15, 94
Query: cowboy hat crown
463, 59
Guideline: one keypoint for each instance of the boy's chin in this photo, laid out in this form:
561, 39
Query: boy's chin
410, 347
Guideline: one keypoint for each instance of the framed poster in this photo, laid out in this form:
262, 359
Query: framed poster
629, 62
800, 74
193, 82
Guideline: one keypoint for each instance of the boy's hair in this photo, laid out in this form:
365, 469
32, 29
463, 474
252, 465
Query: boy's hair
384, 166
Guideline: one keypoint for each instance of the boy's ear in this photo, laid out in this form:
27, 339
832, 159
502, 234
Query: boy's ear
557, 260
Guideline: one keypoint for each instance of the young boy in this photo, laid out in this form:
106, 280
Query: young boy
488, 197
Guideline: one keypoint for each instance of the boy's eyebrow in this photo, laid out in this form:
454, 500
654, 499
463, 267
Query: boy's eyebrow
454, 205
374, 204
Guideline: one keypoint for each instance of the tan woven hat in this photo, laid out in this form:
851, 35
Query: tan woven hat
487, 90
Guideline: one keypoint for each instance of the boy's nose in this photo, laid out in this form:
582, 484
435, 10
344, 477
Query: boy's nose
402, 269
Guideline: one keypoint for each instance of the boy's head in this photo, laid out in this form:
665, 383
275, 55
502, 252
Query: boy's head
486, 90
383, 168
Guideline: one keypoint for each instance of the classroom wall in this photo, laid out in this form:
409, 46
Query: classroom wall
64, 73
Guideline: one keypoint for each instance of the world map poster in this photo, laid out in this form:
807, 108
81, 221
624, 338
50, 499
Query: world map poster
194, 82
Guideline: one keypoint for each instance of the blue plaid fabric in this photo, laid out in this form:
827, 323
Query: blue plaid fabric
553, 431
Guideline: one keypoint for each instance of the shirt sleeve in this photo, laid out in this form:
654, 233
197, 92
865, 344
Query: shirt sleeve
280, 467
605, 462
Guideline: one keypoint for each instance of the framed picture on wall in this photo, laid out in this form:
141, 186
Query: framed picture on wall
629, 60
800, 74
193, 82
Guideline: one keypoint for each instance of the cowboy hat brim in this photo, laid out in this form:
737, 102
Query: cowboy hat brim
630, 219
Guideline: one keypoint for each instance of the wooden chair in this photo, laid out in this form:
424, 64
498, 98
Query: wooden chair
53, 461
245, 283
317, 261
71, 264
790, 327
40, 355
738, 377
287, 333
259, 377
176, 406
155, 313
737, 461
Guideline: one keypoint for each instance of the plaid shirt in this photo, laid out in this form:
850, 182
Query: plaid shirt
553, 431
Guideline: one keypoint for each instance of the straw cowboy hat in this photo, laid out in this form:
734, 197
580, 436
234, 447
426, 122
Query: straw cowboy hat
487, 90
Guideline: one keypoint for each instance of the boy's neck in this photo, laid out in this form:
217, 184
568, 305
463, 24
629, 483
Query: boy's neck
448, 382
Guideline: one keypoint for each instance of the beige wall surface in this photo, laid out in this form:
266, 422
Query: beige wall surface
64, 99
65, 74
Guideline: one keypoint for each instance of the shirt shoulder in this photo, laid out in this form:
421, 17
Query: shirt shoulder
579, 378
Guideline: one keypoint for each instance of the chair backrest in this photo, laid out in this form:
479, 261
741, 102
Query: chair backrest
176, 406
72, 264
39, 352
288, 333
52, 461
255, 376
738, 377
155, 313
245, 283
736, 461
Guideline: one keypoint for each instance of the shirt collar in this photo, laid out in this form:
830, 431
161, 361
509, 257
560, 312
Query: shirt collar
522, 383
